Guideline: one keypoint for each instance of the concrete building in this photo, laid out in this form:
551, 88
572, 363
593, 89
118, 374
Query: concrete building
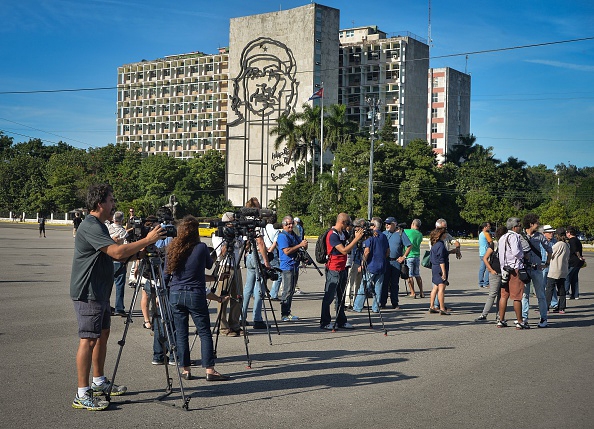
276, 62
391, 68
449, 109
175, 105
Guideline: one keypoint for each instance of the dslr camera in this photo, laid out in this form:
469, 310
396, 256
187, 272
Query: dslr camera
505, 273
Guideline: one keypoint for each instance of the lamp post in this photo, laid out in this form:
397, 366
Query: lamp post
373, 114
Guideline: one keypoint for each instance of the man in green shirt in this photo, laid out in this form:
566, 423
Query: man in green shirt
91, 282
413, 261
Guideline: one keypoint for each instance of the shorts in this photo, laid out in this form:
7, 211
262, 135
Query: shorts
93, 317
514, 289
414, 265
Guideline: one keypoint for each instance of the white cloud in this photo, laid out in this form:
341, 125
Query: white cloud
559, 64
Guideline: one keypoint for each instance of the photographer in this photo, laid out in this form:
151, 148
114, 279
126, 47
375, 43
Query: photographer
118, 233
288, 246
252, 286
353, 263
399, 243
375, 257
336, 274
90, 289
187, 260
511, 260
270, 240
230, 324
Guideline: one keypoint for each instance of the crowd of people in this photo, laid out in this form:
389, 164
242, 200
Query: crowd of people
365, 262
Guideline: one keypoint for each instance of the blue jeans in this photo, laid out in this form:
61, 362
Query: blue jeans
554, 298
120, 286
183, 305
572, 283
483, 274
392, 284
277, 283
539, 289
374, 281
252, 287
334, 288
289, 282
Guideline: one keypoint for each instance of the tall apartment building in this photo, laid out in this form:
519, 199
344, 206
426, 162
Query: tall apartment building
175, 105
449, 109
392, 69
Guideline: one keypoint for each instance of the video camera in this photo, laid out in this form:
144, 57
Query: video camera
142, 226
244, 223
368, 231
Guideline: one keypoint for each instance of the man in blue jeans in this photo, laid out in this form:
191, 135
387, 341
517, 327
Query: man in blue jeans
336, 272
400, 247
288, 246
375, 258
532, 241
485, 241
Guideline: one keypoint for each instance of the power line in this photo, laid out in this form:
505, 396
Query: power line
42, 131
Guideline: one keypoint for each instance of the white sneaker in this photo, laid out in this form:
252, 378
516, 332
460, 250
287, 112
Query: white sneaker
347, 325
329, 327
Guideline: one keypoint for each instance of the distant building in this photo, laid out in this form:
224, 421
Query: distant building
175, 105
182, 105
392, 69
449, 112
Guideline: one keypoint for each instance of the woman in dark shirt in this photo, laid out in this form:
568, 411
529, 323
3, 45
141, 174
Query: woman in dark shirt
187, 260
440, 266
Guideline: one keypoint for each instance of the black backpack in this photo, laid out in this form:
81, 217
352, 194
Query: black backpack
321, 252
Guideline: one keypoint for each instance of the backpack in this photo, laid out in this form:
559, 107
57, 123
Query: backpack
321, 252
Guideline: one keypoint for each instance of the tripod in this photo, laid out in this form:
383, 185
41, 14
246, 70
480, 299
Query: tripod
162, 320
368, 290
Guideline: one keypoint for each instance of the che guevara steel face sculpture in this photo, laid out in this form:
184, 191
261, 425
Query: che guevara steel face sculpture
266, 81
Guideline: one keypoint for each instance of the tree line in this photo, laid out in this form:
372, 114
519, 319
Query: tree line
45, 179
471, 187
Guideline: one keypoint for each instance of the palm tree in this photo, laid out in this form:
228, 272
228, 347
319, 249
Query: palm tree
460, 152
310, 127
337, 126
289, 132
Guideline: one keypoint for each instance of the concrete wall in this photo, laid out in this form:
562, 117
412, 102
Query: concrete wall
275, 61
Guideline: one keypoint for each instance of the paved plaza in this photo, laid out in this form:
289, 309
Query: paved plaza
428, 371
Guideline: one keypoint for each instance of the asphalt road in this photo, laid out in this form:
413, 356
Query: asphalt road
429, 371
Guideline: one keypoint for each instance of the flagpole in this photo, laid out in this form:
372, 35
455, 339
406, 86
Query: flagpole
322, 138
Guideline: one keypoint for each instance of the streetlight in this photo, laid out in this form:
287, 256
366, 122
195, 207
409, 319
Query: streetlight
372, 114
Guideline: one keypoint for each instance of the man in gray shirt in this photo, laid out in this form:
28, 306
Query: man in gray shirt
90, 289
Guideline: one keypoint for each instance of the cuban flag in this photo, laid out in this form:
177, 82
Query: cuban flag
318, 94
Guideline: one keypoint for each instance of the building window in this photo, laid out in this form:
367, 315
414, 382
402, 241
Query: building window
434, 113
434, 97
433, 128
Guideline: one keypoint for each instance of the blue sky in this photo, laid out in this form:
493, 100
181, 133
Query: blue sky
536, 104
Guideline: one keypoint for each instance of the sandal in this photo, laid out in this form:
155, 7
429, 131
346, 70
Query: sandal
433, 310
147, 324
444, 312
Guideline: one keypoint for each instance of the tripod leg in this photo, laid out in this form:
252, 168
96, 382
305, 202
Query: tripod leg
122, 342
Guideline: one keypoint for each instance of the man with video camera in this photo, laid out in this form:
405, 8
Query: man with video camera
336, 273
375, 257
289, 246
90, 289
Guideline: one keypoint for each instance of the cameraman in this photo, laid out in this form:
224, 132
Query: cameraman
289, 245
375, 258
230, 325
90, 289
511, 259
270, 240
353, 263
336, 274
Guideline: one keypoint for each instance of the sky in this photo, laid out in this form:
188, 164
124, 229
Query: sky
535, 104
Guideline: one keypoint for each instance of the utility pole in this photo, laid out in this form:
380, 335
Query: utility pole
373, 114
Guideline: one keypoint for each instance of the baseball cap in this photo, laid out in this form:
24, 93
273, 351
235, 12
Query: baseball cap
390, 219
296, 219
228, 217
548, 228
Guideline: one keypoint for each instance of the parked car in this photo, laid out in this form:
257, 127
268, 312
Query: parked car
205, 230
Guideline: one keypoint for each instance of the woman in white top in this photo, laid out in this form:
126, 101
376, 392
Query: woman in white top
558, 270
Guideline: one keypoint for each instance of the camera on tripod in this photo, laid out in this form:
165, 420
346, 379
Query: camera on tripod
245, 223
141, 227
271, 273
